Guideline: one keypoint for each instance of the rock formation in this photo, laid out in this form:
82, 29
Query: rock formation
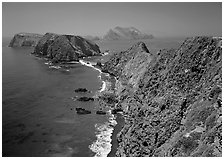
25, 40
171, 101
61, 48
130, 33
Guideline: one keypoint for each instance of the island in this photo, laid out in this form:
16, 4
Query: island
25, 40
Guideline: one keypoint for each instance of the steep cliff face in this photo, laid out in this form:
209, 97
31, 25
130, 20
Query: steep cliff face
65, 47
25, 40
172, 101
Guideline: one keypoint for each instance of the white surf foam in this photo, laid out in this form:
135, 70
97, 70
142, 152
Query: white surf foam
102, 146
103, 87
55, 67
89, 64
71, 62
48, 63
106, 53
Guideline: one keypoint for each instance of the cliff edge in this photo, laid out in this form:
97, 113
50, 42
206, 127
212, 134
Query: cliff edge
172, 101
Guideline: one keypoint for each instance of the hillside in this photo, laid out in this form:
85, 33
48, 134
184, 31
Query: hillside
65, 47
172, 100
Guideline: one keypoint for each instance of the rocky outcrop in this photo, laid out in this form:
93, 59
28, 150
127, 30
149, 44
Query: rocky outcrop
61, 48
129, 33
25, 40
82, 111
172, 100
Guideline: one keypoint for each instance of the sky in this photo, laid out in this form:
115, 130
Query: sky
166, 19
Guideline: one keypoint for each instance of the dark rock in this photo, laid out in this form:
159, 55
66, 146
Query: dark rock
82, 111
115, 111
85, 99
109, 98
99, 64
100, 112
25, 40
65, 48
81, 90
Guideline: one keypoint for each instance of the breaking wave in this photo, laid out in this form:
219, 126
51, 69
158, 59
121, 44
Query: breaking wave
102, 146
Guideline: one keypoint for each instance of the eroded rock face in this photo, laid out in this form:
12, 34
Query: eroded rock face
25, 40
65, 47
171, 101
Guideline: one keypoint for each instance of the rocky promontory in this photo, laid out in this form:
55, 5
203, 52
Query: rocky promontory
60, 48
25, 40
172, 100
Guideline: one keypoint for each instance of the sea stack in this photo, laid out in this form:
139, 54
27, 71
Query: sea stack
25, 40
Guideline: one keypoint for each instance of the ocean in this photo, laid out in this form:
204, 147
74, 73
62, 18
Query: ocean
38, 106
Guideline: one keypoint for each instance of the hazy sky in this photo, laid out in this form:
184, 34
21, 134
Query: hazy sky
160, 19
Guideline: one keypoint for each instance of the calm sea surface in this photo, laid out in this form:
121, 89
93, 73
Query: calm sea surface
38, 117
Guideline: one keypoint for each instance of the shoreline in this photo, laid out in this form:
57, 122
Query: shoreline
106, 143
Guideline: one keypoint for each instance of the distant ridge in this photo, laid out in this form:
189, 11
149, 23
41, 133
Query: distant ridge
128, 33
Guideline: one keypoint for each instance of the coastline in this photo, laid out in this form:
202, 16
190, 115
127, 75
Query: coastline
106, 143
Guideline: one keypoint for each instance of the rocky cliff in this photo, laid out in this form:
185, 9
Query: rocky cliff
129, 33
65, 47
172, 100
25, 39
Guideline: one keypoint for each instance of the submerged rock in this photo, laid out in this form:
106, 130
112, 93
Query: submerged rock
85, 99
100, 112
171, 100
62, 48
82, 111
25, 40
81, 90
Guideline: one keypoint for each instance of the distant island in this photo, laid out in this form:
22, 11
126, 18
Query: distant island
25, 40
58, 48
121, 33
129, 33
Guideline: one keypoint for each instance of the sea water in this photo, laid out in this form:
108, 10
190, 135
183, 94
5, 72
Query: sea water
38, 108
39, 117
